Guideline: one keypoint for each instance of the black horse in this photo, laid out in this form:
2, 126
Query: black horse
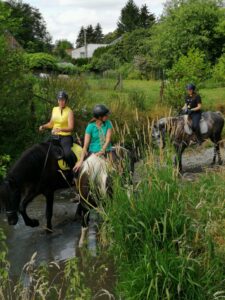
35, 172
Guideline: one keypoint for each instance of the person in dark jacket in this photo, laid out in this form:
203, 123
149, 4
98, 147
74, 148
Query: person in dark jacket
192, 107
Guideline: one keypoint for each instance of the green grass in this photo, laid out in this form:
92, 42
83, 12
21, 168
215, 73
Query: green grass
164, 239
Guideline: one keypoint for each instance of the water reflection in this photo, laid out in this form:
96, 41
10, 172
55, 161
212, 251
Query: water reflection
23, 241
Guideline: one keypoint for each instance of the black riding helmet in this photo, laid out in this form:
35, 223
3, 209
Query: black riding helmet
62, 95
190, 86
100, 110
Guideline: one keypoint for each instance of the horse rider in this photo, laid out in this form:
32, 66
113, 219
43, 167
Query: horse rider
98, 134
62, 125
192, 107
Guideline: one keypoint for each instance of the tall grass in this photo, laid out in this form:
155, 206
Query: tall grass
162, 238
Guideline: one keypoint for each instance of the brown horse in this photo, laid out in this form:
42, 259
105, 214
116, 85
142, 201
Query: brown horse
181, 133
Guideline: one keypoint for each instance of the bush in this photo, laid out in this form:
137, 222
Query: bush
41, 61
67, 68
191, 68
219, 70
80, 61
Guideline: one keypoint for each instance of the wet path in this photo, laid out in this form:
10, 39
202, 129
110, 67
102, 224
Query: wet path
22, 241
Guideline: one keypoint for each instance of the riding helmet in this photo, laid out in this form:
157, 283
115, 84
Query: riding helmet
100, 110
190, 86
62, 95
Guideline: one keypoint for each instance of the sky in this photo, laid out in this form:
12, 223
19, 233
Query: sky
64, 18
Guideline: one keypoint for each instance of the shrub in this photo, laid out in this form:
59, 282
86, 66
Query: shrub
219, 70
43, 61
191, 68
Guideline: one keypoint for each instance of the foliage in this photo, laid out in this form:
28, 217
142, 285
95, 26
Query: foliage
6, 20
132, 18
43, 61
31, 33
76, 288
219, 70
93, 35
161, 238
186, 25
67, 68
80, 61
17, 112
124, 51
190, 68
60, 49
4, 161
4, 264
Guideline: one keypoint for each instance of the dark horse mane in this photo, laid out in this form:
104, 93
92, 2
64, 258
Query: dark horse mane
30, 165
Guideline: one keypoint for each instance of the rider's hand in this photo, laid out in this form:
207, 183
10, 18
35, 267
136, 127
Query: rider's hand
77, 166
56, 130
189, 111
41, 128
100, 153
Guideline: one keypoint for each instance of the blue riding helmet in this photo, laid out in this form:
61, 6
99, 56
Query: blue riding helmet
62, 95
190, 86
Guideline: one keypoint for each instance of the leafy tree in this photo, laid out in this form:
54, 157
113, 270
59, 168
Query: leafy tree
192, 67
146, 19
6, 20
129, 18
98, 35
110, 37
219, 70
32, 33
43, 61
189, 24
60, 49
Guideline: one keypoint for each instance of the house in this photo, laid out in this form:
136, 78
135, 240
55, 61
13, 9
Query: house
87, 51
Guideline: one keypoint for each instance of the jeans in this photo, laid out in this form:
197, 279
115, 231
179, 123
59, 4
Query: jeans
196, 117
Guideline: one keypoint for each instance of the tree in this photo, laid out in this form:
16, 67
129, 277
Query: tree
60, 48
189, 24
146, 19
90, 34
98, 35
32, 33
80, 38
129, 18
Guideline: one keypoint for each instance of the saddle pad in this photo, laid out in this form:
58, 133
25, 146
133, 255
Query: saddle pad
203, 126
77, 150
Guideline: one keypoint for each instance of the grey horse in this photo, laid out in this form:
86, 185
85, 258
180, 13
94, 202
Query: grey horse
182, 135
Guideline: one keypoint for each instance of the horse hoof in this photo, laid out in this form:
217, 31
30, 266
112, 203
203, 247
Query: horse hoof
34, 223
220, 162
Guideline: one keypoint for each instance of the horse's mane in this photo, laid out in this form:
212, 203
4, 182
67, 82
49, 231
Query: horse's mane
31, 161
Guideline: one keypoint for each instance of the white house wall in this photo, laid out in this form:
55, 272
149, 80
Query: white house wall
80, 52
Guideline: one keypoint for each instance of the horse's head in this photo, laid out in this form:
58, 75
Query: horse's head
9, 198
158, 133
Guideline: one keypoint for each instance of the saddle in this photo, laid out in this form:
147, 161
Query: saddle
58, 153
188, 125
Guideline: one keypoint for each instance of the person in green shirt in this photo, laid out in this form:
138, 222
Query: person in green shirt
98, 134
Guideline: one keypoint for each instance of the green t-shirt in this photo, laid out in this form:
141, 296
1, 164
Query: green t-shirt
98, 136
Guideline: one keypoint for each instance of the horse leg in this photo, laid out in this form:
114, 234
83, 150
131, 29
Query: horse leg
218, 153
178, 158
28, 221
49, 210
84, 224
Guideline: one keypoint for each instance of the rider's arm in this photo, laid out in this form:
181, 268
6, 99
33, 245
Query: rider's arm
107, 139
87, 139
47, 125
197, 108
